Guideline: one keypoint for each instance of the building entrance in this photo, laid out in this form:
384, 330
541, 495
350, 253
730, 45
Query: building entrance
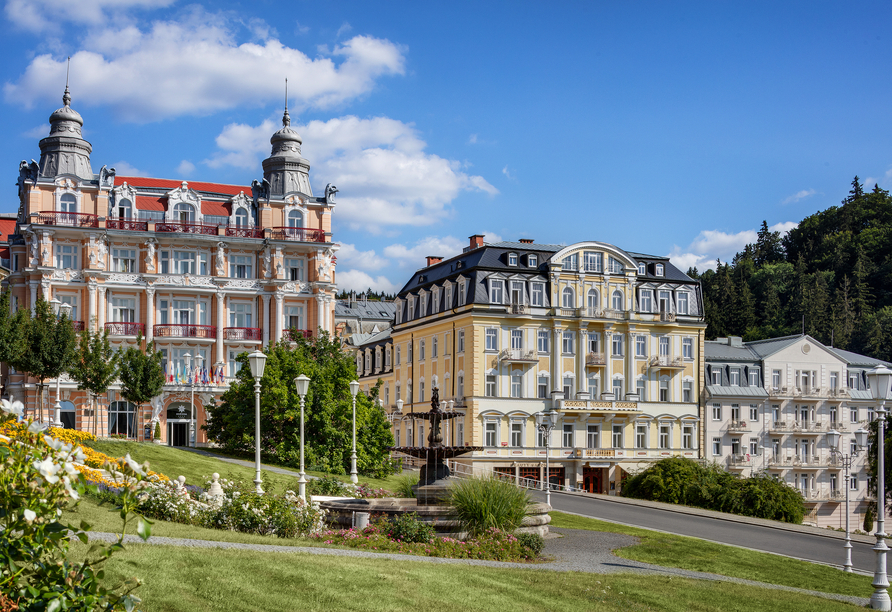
594, 480
178, 433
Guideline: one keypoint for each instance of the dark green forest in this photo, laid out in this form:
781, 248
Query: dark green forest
830, 277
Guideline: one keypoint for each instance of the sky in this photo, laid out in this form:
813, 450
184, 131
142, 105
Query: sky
667, 128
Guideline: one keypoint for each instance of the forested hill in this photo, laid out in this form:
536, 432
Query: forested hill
832, 274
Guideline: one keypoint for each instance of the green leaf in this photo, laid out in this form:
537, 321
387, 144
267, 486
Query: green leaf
54, 606
143, 529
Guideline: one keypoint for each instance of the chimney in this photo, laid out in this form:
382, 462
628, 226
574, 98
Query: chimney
433, 259
526, 241
476, 241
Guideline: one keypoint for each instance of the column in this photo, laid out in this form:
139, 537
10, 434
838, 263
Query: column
280, 314
91, 311
629, 361
556, 382
608, 362
581, 348
221, 322
103, 306
266, 319
320, 307
33, 286
150, 313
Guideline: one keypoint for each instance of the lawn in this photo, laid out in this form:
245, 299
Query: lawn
703, 556
230, 580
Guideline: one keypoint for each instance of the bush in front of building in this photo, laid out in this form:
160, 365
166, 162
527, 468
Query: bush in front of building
677, 480
486, 503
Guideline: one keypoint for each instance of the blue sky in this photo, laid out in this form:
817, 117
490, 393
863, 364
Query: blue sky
665, 128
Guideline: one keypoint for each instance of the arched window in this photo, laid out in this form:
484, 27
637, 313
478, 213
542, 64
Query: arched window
124, 208
184, 213
592, 299
241, 218
567, 298
617, 302
295, 219
68, 203
120, 419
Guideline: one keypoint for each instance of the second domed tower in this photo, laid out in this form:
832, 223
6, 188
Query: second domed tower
65, 151
285, 169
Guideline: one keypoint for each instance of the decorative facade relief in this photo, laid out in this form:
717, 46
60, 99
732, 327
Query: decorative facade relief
150, 254
183, 194
221, 259
242, 283
241, 201
126, 279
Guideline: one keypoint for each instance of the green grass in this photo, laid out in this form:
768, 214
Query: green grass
230, 580
702, 556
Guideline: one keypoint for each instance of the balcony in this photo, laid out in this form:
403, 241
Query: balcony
303, 333
242, 333
665, 361
594, 452
519, 356
129, 224
779, 426
594, 360
738, 426
808, 428
187, 228
70, 219
667, 317
298, 234
566, 312
519, 309
186, 331
78, 326
120, 328
740, 461
244, 232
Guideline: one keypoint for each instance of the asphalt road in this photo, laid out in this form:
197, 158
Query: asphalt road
800, 545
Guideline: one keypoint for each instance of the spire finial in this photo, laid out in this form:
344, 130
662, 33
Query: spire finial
66, 97
286, 118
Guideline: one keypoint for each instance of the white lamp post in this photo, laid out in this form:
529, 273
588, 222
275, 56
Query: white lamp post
880, 379
61, 309
257, 361
188, 358
546, 421
302, 383
846, 461
354, 389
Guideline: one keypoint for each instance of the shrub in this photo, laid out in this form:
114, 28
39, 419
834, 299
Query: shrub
329, 485
868, 519
157, 435
533, 542
404, 486
488, 503
407, 528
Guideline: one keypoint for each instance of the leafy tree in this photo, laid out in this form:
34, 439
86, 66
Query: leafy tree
142, 376
49, 345
95, 366
872, 457
328, 410
12, 341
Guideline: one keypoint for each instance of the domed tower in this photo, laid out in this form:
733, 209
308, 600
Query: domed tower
65, 151
285, 169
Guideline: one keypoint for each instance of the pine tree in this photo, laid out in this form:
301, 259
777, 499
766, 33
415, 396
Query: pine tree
142, 375
95, 367
769, 248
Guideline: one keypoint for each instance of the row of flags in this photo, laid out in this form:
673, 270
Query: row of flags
181, 375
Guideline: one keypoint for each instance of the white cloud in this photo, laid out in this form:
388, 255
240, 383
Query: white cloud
386, 177
356, 280
299, 28
185, 168
40, 131
349, 256
123, 168
783, 227
413, 256
710, 245
345, 28
472, 139
48, 15
197, 66
799, 195
507, 173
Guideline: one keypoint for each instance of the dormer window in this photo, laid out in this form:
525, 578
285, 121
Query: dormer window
532, 261
241, 218
614, 266
642, 269
124, 208
659, 270
184, 213
512, 259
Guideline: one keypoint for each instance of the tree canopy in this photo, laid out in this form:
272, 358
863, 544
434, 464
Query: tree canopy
141, 373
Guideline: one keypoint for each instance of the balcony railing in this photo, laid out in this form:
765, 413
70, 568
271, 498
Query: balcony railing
665, 361
518, 355
667, 317
78, 326
738, 426
187, 228
242, 333
244, 232
133, 225
595, 359
68, 218
518, 308
305, 333
185, 331
299, 234
124, 329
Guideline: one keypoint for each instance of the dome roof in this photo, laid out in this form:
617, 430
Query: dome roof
285, 135
66, 113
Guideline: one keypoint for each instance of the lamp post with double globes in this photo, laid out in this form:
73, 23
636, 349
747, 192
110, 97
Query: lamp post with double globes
302, 384
257, 361
61, 309
354, 389
880, 379
546, 421
846, 462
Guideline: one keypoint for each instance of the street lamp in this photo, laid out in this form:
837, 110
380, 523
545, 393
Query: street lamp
302, 383
61, 309
879, 379
546, 421
846, 461
257, 361
354, 389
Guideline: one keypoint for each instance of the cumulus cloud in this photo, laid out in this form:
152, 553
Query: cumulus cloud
185, 168
48, 15
198, 66
351, 257
380, 164
710, 245
40, 131
799, 195
123, 168
508, 174
357, 280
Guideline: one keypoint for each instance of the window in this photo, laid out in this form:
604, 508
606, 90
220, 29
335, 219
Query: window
716, 412
447, 303
664, 436
853, 415
295, 269
240, 315
754, 446
735, 412
716, 375
775, 413
460, 434
516, 384
641, 436
642, 269
123, 208
462, 286
617, 436
71, 300
647, 300
687, 348
617, 345
664, 346
517, 339
241, 266
294, 317
592, 261
537, 295
461, 341
593, 433
571, 262
241, 218
687, 437
617, 300
593, 301
423, 297
234, 364
497, 292
124, 260
853, 482
641, 389
184, 213
567, 438
387, 360
434, 346
568, 387
123, 310
398, 391
435, 300
687, 391
421, 350
735, 377
567, 343
542, 387
776, 379
517, 434
542, 340
568, 299
421, 397
754, 412
593, 384
641, 346
682, 298
716, 446
735, 446
492, 339
490, 385
834, 381
658, 270
66, 256
398, 354
491, 434
409, 351
120, 419
755, 378
618, 388
614, 266
664, 390
295, 219
512, 259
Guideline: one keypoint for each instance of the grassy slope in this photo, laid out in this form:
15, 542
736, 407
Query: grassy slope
185, 579
702, 556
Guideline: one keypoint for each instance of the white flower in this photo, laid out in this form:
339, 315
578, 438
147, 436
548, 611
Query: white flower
134, 465
17, 408
48, 470
30, 515
53, 443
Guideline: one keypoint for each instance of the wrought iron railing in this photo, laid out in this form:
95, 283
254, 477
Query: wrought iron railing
242, 333
300, 234
68, 218
287, 335
118, 328
130, 224
187, 228
244, 232
595, 359
78, 326
185, 331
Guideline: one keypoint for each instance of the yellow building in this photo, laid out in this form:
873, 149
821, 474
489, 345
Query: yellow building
611, 339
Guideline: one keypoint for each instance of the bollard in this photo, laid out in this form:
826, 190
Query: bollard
360, 520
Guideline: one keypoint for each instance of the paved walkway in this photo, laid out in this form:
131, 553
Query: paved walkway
243, 462
574, 551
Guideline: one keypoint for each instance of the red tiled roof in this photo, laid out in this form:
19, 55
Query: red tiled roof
7, 227
142, 181
215, 208
150, 203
